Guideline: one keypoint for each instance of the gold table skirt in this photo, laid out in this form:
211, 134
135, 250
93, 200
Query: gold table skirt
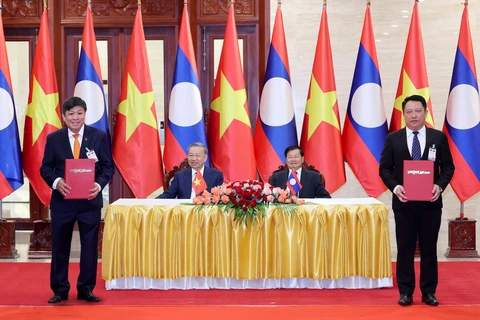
318, 242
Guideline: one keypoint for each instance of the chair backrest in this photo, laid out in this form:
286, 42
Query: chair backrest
304, 166
170, 174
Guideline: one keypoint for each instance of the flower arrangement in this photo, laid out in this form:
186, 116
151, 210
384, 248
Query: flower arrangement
248, 198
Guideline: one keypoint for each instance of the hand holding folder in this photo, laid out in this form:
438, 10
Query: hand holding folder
80, 176
418, 179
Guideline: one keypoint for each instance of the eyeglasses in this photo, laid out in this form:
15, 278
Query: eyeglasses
295, 157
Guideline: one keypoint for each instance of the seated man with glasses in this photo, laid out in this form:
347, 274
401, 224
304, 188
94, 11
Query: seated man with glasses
301, 182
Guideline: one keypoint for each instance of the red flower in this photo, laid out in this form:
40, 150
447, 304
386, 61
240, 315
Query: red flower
244, 208
246, 194
253, 203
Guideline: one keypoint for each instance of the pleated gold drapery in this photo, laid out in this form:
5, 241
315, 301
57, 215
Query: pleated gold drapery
318, 242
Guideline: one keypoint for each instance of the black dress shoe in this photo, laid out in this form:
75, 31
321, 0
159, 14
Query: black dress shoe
405, 299
88, 296
430, 299
58, 298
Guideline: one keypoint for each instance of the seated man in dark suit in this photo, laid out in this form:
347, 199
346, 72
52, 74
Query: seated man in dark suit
312, 186
183, 181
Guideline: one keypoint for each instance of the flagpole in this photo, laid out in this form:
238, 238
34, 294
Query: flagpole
462, 204
462, 215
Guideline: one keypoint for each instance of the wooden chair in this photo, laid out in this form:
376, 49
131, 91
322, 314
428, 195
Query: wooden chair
304, 166
170, 174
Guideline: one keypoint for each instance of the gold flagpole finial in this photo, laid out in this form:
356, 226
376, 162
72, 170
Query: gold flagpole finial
44, 4
368, 3
466, 2
1, 4
139, 2
185, 2
232, 1
324, 3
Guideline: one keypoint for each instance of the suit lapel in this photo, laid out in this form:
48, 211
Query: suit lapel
206, 175
65, 142
303, 181
87, 137
188, 182
404, 145
428, 143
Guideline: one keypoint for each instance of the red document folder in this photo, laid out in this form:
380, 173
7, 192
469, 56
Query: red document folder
80, 176
418, 179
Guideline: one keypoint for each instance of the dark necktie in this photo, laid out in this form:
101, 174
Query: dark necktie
416, 150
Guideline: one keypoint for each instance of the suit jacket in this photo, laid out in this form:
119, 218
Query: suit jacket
181, 186
58, 149
395, 151
312, 187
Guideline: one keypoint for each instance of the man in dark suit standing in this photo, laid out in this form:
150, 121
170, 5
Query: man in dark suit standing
182, 183
416, 218
312, 186
76, 141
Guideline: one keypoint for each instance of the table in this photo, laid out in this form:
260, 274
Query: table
167, 244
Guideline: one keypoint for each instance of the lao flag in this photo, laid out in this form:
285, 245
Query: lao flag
462, 117
89, 85
365, 125
11, 177
185, 123
293, 183
275, 129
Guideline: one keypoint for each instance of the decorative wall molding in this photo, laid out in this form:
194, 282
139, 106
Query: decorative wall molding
115, 8
21, 8
220, 7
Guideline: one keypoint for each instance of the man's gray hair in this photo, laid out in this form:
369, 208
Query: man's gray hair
198, 144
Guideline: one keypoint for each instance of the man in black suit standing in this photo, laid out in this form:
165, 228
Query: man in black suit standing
416, 218
76, 141
312, 186
182, 183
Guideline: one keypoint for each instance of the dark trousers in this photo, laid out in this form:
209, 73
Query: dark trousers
424, 223
62, 230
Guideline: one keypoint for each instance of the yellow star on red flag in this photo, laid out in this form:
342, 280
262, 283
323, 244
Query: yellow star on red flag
137, 108
320, 107
42, 110
230, 104
408, 89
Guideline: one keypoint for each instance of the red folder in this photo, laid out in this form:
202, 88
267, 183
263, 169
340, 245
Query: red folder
418, 179
80, 176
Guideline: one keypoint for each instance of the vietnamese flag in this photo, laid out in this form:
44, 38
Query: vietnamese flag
136, 146
413, 76
230, 131
321, 139
43, 111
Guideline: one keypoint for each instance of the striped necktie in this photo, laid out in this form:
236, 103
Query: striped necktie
416, 150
